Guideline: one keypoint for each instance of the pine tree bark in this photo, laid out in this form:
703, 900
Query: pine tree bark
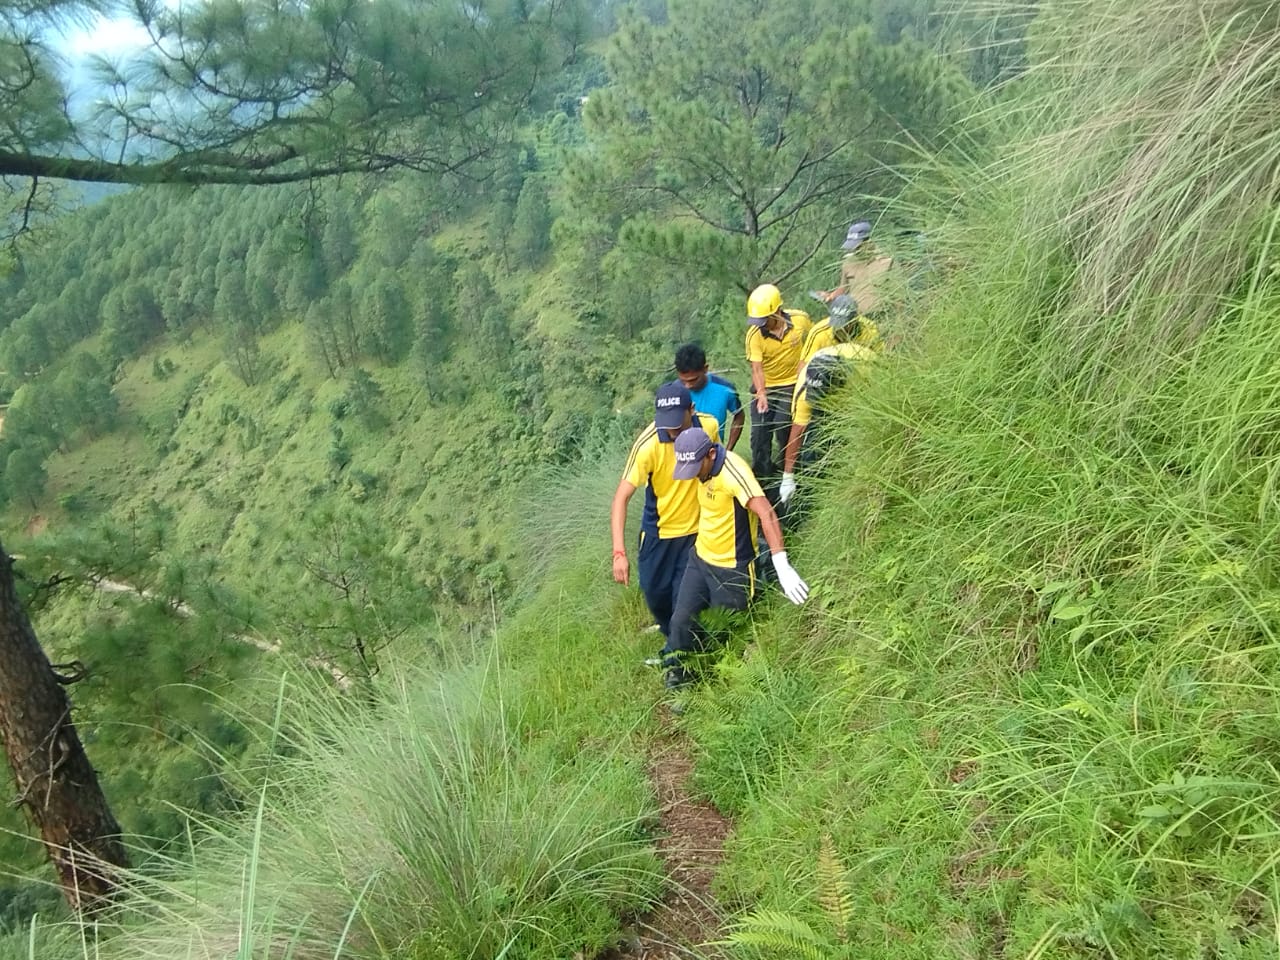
56, 784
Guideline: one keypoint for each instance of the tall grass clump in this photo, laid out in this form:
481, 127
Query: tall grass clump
1031, 707
427, 820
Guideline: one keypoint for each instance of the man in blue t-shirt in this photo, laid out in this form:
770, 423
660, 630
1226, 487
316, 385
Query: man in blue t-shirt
712, 394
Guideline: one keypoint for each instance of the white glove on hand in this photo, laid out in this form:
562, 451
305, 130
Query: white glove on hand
796, 590
787, 488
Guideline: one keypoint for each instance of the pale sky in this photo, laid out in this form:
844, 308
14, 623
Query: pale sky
112, 36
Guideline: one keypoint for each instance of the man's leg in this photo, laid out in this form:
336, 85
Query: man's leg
695, 591
679, 553
761, 440
657, 594
780, 408
731, 587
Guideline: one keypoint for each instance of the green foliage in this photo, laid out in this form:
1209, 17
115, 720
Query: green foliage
354, 596
385, 314
530, 239
771, 933
735, 135
131, 318
446, 810
1028, 697
24, 475
290, 77
339, 449
364, 398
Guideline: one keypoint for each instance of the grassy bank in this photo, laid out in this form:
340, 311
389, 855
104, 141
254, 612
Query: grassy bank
494, 808
1031, 712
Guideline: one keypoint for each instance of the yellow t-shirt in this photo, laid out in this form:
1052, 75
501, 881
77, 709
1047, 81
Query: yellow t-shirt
670, 505
801, 405
823, 336
726, 528
779, 356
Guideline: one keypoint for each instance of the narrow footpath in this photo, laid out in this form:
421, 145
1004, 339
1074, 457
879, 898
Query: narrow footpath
691, 845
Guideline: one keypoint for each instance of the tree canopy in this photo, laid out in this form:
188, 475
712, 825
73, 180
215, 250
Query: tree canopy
737, 134
272, 91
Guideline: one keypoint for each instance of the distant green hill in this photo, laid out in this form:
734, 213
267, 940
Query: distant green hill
1028, 710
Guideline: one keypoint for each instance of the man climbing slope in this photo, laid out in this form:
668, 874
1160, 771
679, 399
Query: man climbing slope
712, 394
863, 269
670, 519
823, 372
721, 572
845, 321
774, 340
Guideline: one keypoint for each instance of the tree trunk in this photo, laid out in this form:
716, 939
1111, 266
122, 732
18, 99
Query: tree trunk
56, 784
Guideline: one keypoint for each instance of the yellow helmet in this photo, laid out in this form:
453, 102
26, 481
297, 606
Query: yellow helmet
765, 301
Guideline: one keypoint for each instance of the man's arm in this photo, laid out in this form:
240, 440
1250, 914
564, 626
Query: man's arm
795, 589
735, 429
617, 527
792, 451
757, 386
769, 525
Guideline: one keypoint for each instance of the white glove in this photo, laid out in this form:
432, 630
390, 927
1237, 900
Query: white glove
787, 488
795, 589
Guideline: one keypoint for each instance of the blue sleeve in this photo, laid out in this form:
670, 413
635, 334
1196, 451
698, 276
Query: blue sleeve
732, 403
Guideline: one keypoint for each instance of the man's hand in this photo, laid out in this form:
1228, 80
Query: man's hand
621, 567
795, 589
787, 489
762, 404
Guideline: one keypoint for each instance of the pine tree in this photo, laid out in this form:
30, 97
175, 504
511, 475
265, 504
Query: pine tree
735, 150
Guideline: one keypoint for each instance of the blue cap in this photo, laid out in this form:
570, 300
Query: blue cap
843, 309
672, 400
692, 447
857, 233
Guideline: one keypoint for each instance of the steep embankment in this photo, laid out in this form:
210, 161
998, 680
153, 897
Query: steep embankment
1029, 710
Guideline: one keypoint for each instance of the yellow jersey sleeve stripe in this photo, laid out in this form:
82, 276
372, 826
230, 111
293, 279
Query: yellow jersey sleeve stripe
645, 436
747, 487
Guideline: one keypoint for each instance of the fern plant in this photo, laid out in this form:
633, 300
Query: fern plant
783, 935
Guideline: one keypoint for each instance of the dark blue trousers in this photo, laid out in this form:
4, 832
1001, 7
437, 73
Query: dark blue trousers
704, 587
661, 564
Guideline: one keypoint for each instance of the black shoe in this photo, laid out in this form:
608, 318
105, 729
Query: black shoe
676, 678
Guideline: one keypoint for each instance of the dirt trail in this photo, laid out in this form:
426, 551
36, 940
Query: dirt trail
691, 844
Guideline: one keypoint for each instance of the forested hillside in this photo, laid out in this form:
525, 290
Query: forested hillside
318, 423
308, 485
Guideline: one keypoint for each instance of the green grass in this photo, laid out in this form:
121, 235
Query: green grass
1030, 709
486, 810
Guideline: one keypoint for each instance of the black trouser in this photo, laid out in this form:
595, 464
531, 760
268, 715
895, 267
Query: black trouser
702, 588
661, 566
808, 465
770, 429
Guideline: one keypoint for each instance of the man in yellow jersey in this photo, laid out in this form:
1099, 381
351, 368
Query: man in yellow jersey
843, 319
824, 371
721, 572
774, 339
670, 519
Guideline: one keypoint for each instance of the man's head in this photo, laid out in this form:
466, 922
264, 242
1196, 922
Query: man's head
764, 303
691, 366
858, 232
844, 315
695, 455
672, 410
